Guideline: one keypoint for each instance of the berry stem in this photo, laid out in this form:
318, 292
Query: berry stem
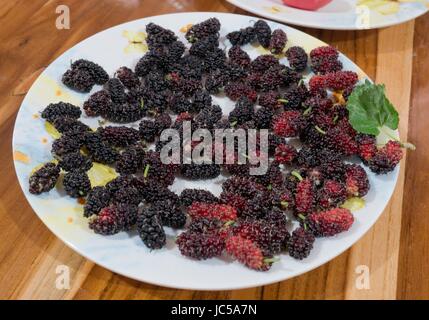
271, 260
297, 175
146, 171
406, 145
283, 100
307, 111
320, 130
284, 204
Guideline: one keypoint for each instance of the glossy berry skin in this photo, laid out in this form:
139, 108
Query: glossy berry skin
300, 244
200, 246
149, 226
76, 183
285, 154
340, 80
113, 219
387, 158
357, 183
332, 194
269, 236
329, 223
304, 196
44, 179
221, 212
247, 253
278, 41
98, 198
263, 33
288, 124
367, 147
297, 58
189, 196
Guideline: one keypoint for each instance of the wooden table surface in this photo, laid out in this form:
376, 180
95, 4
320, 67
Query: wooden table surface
396, 249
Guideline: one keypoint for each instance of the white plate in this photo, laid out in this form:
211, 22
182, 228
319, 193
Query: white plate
125, 253
337, 15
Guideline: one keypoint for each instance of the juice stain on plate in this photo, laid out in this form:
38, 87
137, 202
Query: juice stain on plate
136, 41
50, 129
274, 9
21, 157
186, 28
47, 89
100, 174
354, 204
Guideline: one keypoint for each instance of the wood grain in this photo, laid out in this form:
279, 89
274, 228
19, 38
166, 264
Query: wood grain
30, 254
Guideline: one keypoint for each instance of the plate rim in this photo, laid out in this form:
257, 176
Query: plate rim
272, 16
257, 283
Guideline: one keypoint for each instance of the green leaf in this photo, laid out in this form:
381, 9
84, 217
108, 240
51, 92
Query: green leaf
369, 109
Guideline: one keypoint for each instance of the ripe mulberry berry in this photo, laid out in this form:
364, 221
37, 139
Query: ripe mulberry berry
64, 145
155, 170
215, 81
212, 211
116, 90
208, 117
357, 182
278, 41
120, 136
64, 125
304, 196
248, 253
242, 112
242, 37
243, 186
149, 226
97, 104
158, 36
148, 130
297, 58
202, 47
124, 112
79, 80
335, 81
387, 158
44, 179
202, 30
267, 235
200, 246
114, 219
99, 150
285, 154
75, 160
170, 214
238, 56
153, 191
270, 100
300, 244
263, 63
325, 60
130, 160
99, 75
263, 118
127, 77
201, 99
189, 196
76, 183
204, 225
288, 124
332, 194
236, 90
200, 171
98, 198
329, 223
148, 63
271, 79
61, 110
367, 146
234, 200
294, 97
263, 33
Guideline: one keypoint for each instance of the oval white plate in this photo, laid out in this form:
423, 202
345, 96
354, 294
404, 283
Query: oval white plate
125, 253
337, 15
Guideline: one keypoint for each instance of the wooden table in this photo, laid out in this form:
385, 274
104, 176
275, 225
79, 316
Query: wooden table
395, 249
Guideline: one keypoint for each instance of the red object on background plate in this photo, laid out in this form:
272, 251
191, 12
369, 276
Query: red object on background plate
307, 4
